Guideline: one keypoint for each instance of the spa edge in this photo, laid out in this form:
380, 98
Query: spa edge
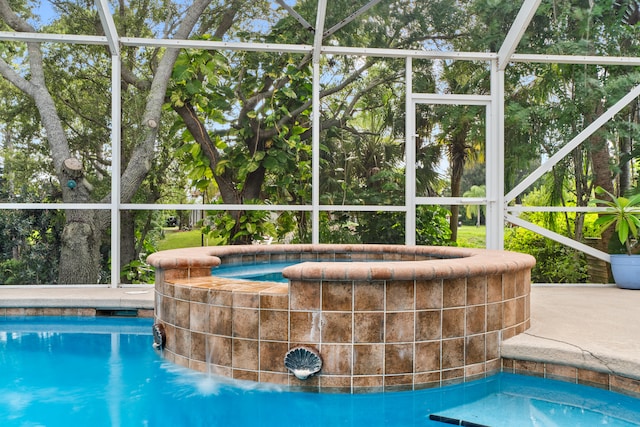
391, 318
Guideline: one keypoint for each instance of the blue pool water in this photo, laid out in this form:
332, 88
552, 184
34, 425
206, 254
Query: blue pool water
267, 272
103, 372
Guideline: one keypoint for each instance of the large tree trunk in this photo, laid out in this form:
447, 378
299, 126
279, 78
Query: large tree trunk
602, 176
80, 251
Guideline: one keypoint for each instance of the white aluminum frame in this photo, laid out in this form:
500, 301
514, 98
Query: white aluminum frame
498, 210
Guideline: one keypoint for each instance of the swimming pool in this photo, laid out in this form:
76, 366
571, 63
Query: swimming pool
103, 372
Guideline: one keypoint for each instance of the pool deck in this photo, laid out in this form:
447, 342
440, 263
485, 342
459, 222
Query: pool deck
75, 297
595, 327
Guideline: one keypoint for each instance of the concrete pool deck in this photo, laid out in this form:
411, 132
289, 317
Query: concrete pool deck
591, 327
76, 300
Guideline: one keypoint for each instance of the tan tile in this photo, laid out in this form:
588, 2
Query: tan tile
428, 325
304, 295
169, 310
566, 373
399, 327
509, 318
398, 382
508, 365
220, 320
170, 332
274, 325
427, 356
219, 350
368, 327
493, 366
337, 327
335, 383
182, 341
476, 290
452, 376
454, 292
372, 383
274, 301
198, 347
305, 326
509, 285
625, 385
509, 333
245, 354
453, 322
368, 359
198, 365
244, 375
494, 288
368, 296
492, 343
246, 299
200, 295
592, 378
337, 296
336, 359
494, 316
400, 295
224, 371
245, 322
183, 292
199, 317
428, 294
398, 358
426, 380
272, 356
475, 351
476, 319
529, 367
452, 353
311, 384
221, 297
274, 378
520, 311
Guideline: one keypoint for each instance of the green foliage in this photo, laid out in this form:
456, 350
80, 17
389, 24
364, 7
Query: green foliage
29, 243
250, 226
138, 272
432, 227
623, 214
555, 263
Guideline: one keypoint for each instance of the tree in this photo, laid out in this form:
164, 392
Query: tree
250, 112
83, 230
471, 210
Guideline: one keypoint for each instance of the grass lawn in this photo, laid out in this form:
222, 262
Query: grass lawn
174, 239
470, 236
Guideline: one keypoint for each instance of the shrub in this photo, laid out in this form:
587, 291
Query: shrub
555, 262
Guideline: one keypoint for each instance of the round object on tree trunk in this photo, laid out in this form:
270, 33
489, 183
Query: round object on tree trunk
72, 167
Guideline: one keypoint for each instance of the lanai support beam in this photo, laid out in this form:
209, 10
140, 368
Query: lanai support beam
516, 32
573, 144
109, 26
315, 120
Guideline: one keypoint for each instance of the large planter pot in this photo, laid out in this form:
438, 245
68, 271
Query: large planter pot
626, 270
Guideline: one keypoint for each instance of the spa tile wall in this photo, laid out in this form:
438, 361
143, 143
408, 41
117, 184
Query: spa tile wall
372, 336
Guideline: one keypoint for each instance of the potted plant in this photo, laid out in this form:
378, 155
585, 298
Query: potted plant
624, 214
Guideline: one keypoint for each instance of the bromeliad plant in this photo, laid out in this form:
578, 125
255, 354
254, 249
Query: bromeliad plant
624, 214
